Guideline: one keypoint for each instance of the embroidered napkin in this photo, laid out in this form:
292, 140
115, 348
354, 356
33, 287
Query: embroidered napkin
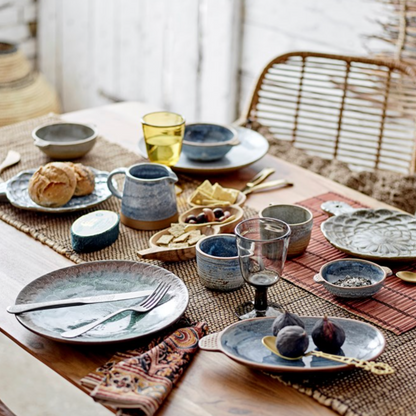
141, 383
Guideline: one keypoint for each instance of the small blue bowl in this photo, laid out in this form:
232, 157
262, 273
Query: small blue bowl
218, 263
338, 269
207, 142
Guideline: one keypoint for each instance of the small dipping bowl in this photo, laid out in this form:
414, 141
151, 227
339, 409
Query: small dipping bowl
208, 142
217, 262
300, 221
65, 141
339, 269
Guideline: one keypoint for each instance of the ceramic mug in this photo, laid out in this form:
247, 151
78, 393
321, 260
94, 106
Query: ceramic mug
299, 219
148, 201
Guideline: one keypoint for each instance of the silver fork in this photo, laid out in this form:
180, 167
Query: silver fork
148, 304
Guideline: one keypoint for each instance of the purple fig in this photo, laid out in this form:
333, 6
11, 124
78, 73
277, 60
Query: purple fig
328, 336
286, 319
292, 341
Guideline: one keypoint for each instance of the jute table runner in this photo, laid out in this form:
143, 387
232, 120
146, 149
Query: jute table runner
350, 393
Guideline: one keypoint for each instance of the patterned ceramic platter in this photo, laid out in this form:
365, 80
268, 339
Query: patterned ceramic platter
252, 148
242, 343
380, 234
101, 278
16, 192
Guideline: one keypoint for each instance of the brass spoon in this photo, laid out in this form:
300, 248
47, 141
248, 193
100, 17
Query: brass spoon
407, 276
376, 368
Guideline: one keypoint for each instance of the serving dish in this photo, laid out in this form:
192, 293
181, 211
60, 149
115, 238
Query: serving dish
15, 191
100, 278
241, 199
252, 148
242, 343
373, 234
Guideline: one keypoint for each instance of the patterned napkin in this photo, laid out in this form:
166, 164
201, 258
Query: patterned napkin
143, 379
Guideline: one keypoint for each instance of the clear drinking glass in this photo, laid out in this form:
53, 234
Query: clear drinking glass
163, 134
262, 245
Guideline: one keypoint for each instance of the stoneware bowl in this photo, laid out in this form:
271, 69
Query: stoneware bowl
207, 142
217, 262
300, 220
65, 141
339, 269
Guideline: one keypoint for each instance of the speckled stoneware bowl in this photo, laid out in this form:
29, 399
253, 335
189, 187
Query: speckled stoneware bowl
217, 262
339, 269
65, 141
300, 220
208, 142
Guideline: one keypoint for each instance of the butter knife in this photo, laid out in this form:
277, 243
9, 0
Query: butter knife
259, 178
26, 307
279, 183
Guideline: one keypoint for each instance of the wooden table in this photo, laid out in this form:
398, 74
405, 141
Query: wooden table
213, 384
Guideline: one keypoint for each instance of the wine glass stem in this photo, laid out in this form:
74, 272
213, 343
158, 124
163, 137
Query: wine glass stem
260, 301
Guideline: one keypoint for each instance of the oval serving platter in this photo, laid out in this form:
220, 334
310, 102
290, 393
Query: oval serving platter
16, 192
102, 278
373, 234
242, 343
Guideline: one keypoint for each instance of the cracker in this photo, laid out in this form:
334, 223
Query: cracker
178, 245
182, 238
164, 240
177, 229
195, 239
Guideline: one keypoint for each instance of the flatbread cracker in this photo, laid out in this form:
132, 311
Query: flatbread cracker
164, 240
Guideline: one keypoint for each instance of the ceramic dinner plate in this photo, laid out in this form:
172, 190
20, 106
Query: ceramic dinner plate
242, 343
100, 278
15, 190
373, 234
252, 148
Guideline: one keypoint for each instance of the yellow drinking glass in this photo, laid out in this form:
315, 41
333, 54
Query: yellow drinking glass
163, 134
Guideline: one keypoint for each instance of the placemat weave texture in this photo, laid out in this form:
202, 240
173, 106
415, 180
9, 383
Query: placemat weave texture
350, 393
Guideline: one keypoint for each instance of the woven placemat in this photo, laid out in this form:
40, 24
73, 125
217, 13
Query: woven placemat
350, 393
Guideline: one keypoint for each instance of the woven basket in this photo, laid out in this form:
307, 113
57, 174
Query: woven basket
24, 93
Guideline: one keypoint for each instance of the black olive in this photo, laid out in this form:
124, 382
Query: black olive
201, 218
218, 212
189, 218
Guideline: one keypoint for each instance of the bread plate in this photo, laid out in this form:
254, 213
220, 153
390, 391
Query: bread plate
15, 191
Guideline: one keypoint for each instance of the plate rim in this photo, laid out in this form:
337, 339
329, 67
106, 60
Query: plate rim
99, 341
286, 369
213, 170
362, 255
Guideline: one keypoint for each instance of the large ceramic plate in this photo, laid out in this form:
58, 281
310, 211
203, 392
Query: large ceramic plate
252, 148
242, 343
16, 192
100, 278
380, 234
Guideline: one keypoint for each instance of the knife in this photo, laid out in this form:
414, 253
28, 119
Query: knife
26, 307
281, 183
260, 177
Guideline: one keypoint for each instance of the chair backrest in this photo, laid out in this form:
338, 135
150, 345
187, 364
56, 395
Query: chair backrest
358, 110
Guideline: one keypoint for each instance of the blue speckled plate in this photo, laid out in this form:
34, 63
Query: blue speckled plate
100, 278
242, 343
16, 192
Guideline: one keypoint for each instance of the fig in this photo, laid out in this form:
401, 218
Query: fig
286, 319
292, 341
328, 336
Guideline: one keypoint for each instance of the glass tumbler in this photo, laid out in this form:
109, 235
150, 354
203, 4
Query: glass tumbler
163, 134
262, 245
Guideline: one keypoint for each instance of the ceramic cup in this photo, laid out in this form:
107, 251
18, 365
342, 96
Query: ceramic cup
300, 220
217, 262
148, 198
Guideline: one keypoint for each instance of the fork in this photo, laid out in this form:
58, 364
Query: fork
147, 305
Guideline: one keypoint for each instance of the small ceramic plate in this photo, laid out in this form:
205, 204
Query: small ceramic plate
252, 148
16, 192
101, 278
242, 343
373, 234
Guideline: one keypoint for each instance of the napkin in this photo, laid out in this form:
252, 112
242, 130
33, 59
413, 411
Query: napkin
141, 383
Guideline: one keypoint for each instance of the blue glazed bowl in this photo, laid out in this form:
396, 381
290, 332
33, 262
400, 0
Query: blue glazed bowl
207, 142
217, 262
339, 269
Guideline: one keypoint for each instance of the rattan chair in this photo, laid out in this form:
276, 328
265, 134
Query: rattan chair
358, 110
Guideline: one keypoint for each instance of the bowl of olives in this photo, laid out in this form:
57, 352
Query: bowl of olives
224, 217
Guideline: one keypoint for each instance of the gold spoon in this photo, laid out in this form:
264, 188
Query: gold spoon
407, 276
376, 368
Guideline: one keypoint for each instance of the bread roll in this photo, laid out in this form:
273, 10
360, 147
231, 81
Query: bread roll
52, 185
85, 179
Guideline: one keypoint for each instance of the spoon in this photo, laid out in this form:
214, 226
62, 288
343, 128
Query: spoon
407, 276
11, 159
376, 368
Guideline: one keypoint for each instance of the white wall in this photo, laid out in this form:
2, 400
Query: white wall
197, 57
